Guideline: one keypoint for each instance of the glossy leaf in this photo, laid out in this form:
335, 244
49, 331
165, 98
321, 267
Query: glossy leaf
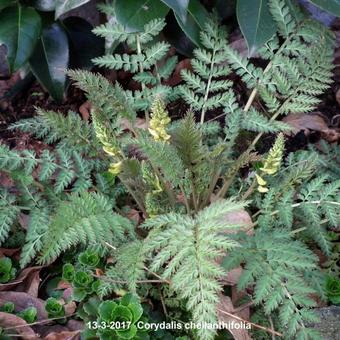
19, 31
63, 6
134, 14
45, 5
179, 7
331, 6
256, 23
196, 17
84, 45
6, 3
50, 59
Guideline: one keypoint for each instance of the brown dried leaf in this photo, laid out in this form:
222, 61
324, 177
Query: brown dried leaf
27, 281
67, 335
19, 326
307, 122
22, 301
85, 110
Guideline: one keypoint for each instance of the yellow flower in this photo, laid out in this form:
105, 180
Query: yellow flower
159, 121
110, 151
262, 189
115, 168
260, 180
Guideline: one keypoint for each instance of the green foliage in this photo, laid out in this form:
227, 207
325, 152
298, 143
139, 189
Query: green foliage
127, 313
7, 307
54, 308
183, 182
143, 62
277, 265
333, 290
89, 259
204, 90
46, 48
29, 314
7, 271
191, 245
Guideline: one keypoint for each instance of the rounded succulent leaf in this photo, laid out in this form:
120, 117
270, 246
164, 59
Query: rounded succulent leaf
333, 290
89, 258
106, 310
82, 279
68, 272
54, 308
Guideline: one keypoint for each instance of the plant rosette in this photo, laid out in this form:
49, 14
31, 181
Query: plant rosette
7, 272
89, 259
333, 290
84, 284
119, 319
54, 308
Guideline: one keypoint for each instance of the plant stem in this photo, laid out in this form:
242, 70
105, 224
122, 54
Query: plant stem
141, 69
251, 323
208, 87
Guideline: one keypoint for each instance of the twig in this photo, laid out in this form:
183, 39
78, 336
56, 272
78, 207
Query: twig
39, 322
271, 326
251, 323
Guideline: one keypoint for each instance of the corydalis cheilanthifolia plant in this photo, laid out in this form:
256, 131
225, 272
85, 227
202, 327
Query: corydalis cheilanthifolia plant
173, 169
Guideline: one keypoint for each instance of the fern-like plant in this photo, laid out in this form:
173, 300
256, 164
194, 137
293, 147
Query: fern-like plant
183, 177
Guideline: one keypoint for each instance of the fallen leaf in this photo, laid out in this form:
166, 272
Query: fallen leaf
8, 252
176, 78
22, 301
85, 110
31, 275
18, 326
70, 308
307, 122
67, 335
30, 284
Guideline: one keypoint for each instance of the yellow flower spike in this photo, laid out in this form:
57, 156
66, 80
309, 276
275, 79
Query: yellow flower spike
115, 168
159, 121
274, 158
260, 180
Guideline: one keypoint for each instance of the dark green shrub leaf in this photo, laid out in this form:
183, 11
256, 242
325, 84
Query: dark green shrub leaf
179, 7
83, 44
44, 5
256, 23
134, 14
63, 6
6, 3
332, 6
89, 258
194, 23
19, 32
49, 60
